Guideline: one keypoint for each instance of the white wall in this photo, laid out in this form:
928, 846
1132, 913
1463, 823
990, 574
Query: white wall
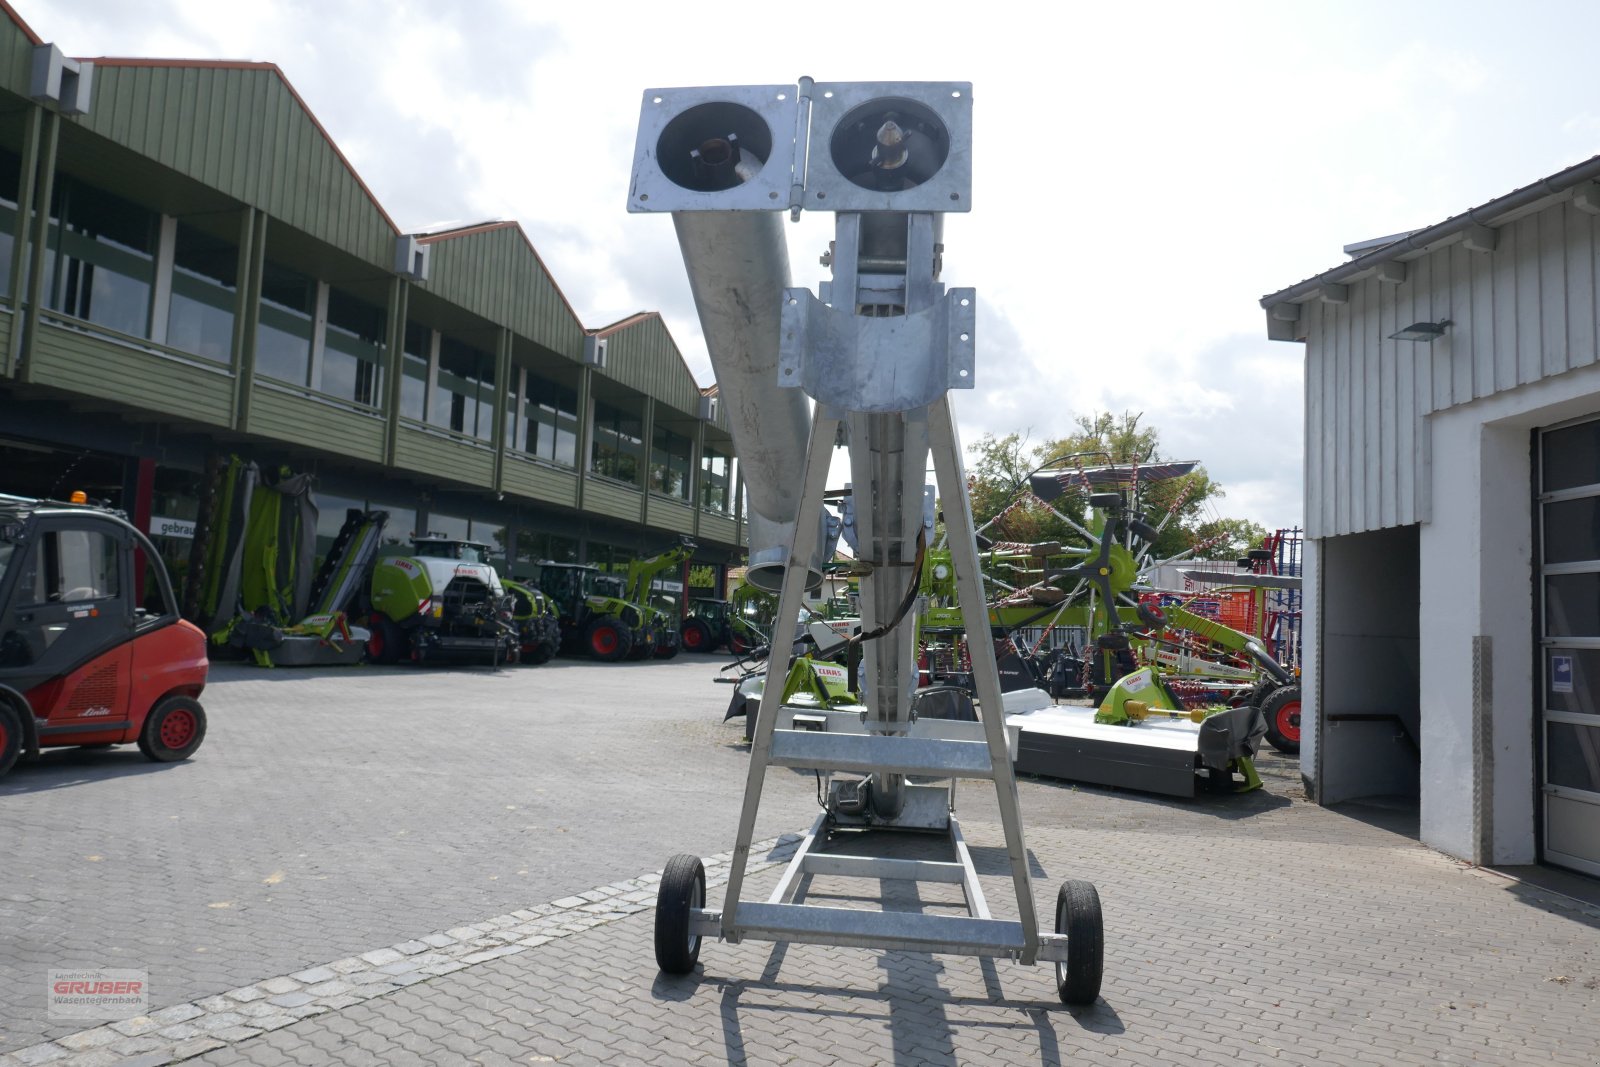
1478, 791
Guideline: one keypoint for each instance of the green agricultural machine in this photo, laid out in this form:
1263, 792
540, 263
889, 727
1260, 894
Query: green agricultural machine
661, 610
538, 622
443, 602
597, 619
738, 624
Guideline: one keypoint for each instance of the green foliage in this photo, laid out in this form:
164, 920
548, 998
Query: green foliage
999, 470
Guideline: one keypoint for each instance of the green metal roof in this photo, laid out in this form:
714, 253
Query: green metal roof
642, 355
492, 270
240, 128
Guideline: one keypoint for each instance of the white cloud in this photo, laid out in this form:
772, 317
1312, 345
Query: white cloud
1142, 173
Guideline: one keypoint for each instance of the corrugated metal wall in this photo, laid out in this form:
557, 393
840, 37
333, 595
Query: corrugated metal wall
643, 356
243, 132
16, 57
494, 273
1522, 312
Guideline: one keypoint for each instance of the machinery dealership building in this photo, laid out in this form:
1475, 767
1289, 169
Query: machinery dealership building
190, 269
1452, 598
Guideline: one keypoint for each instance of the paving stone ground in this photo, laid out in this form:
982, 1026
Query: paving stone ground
1248, 929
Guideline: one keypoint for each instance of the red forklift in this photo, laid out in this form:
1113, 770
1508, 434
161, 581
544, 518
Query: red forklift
82, 661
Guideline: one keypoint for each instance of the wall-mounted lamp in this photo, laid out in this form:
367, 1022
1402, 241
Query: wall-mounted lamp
1421, 331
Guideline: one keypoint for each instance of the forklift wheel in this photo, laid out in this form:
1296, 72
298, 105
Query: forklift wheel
1078, 916
173, 730
1282, 712
683, 888
10, 736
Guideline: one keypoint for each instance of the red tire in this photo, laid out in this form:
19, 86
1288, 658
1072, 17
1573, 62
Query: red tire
1282, 712
173, 730
608, 641
696, 636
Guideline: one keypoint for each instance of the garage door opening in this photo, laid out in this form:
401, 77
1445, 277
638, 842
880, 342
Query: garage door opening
1368, 732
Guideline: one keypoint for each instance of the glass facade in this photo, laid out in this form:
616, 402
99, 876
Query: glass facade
10, 176
205, 287
352, 351
463, 397
106, 263
283, 340
414, 372
549, 427
618, 443
716, 480
670, 457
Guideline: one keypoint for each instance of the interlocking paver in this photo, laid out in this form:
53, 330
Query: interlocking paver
1253, 929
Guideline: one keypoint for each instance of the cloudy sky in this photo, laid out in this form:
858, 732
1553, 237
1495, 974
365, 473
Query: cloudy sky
1143, 173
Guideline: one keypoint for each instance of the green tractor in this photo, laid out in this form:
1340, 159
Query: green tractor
443, 602
538, 622
660, 609
596, 617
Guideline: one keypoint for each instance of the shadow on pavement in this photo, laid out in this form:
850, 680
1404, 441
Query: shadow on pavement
62, 768
1398, 815
1229, 806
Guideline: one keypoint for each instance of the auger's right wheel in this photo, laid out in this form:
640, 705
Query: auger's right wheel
1078, 916
683, 889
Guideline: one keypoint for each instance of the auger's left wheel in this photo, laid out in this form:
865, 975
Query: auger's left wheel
683, 889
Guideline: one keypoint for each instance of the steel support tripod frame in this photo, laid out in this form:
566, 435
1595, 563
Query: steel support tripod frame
878, 352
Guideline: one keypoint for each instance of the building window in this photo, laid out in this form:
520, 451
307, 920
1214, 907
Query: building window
107, 263
669, 463
414, 372
550, 422
352, 354
715, 480
10, 175
618, 443
204, 290
283, 340
534, 547
463, 398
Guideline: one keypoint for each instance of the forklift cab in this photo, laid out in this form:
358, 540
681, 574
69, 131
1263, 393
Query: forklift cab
81, 662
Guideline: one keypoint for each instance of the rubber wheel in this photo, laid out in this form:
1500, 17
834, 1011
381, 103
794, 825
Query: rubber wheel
10, 736
540, 653
173, 730
607, 641
738, 645
696, 636
683, 888
1282, 712
387, 642
1078, 916
667, 648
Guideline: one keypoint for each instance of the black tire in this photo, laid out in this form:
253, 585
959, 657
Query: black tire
1261, 690
607, 640
1078, 916
697, 637
10, 736
390, 640
683, 888
1282, 712
540, 653
667, 648
173, 730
